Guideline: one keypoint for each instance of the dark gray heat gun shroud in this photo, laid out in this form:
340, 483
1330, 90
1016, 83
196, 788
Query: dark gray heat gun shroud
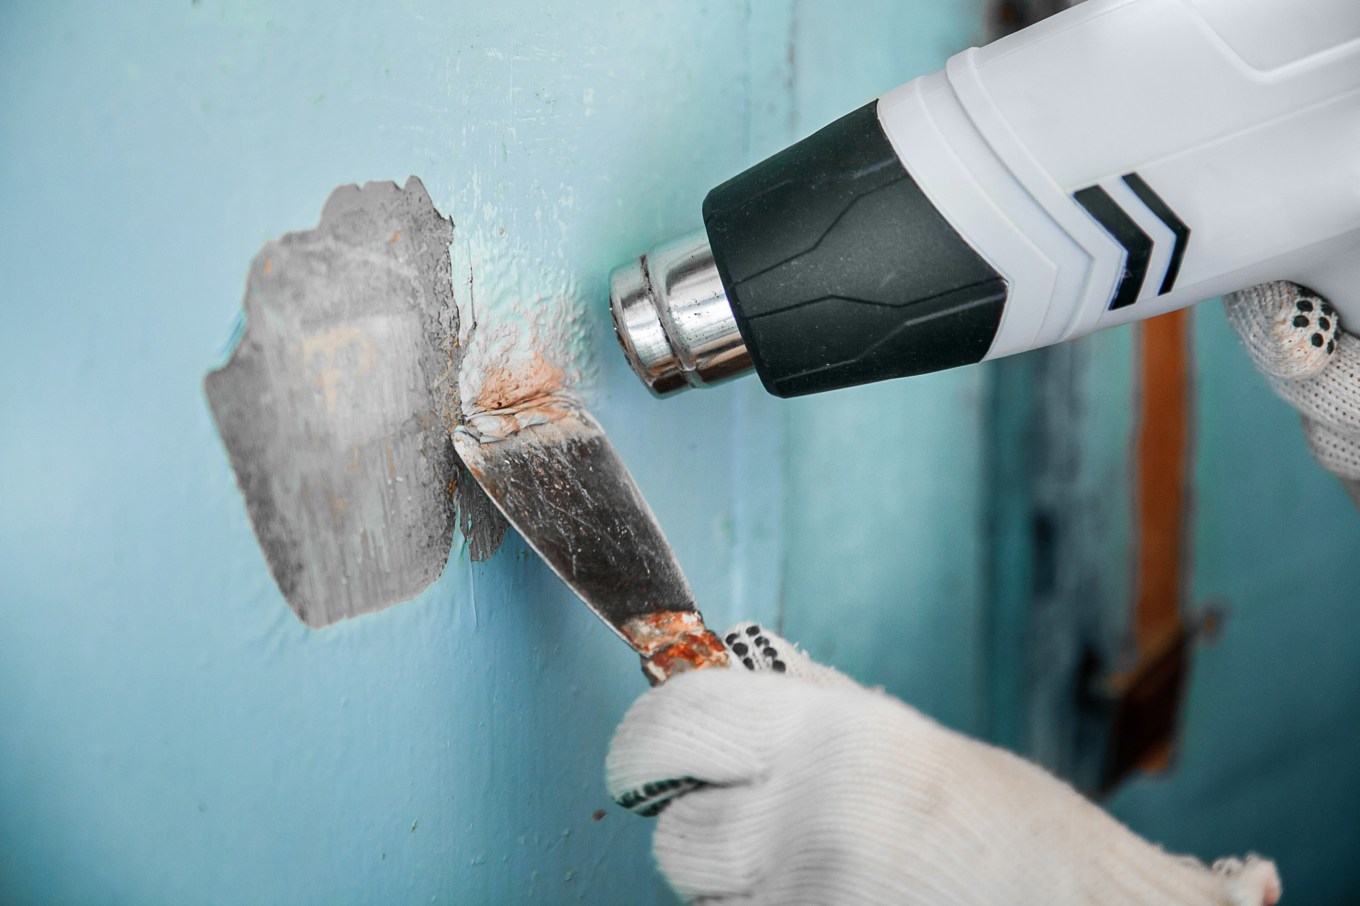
840, 271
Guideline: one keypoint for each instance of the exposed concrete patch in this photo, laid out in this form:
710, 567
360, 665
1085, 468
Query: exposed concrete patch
337, 403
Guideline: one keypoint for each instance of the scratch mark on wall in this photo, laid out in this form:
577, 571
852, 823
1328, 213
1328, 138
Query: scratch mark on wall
336, 406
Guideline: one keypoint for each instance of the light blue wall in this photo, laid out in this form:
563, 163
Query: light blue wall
884, 510
1271, 740
168, 732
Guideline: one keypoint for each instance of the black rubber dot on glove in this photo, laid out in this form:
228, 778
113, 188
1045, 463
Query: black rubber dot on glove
740, 649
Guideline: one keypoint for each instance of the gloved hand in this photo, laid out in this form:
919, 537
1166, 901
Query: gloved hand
784, 782
1295, 338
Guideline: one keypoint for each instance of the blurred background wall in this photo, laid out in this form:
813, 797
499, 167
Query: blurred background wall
169, 733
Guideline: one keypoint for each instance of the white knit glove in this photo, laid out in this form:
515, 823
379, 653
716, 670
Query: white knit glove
1296, 339
784, 782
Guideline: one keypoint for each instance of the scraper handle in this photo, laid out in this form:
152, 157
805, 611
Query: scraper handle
673, 642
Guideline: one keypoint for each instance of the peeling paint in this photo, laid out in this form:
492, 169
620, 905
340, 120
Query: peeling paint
514, 395
368, 340
525, 332
337, 402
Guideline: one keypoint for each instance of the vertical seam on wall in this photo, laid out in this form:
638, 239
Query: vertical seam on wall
792, 61
747, 78
791, 100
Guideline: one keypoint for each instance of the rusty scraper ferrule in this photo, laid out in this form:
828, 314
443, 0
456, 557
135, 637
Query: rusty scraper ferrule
672, 642
559, 481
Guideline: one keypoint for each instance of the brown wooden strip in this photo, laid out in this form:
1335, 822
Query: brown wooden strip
1163, 451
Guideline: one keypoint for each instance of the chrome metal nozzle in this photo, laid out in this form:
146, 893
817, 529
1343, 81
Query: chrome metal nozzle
672, 317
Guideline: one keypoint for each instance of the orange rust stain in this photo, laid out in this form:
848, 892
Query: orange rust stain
268, 265
673, 641
505, 388
452, 487
692, 652
395, 237
653, 631
1162, 450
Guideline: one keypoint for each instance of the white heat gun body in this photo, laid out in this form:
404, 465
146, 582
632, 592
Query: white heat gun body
1116, 161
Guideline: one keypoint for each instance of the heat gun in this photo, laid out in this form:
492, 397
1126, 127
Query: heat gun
1121, 159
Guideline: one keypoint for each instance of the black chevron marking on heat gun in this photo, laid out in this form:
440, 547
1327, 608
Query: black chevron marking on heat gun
1137, 244
1157, 206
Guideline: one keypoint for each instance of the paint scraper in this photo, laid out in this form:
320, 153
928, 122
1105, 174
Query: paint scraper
559, 481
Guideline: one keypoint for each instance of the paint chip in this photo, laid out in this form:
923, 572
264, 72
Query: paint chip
337, 403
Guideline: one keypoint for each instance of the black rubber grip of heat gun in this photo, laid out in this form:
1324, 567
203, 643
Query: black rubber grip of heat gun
841, 272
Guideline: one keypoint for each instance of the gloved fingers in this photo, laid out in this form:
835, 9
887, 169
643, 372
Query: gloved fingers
844, 795
1296, 338
765, 844
690, 735
1290, 332
1332, 395
804, 840
707, 844
755, 648
1254, 880
712, 726
722, 727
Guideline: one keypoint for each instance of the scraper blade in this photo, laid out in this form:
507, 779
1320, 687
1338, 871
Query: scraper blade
565, 489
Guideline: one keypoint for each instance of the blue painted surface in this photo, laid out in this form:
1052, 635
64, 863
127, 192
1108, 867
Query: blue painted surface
884, 512
170, 734
168, 731
1270, 743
